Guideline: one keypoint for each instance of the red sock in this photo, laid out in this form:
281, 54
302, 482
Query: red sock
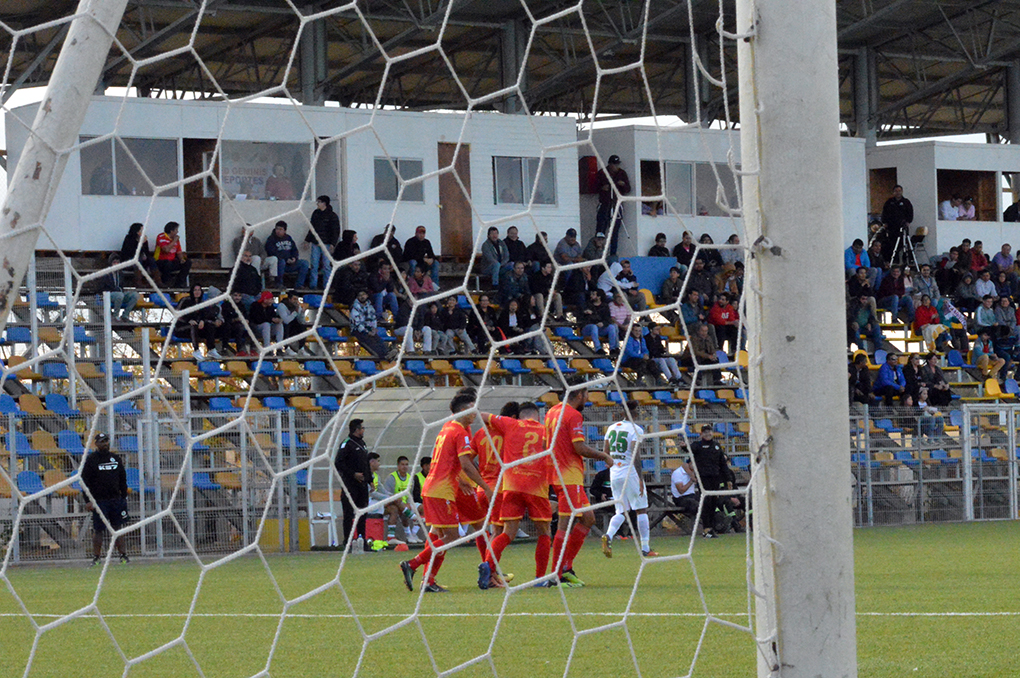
498, 544
431, 572
483, 547
557, 547
574, 543
423, 555
541, 555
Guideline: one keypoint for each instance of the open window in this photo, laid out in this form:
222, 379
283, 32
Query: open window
980, 186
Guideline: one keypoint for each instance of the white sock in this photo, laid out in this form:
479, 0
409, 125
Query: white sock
615, 523
643, 530
414, 529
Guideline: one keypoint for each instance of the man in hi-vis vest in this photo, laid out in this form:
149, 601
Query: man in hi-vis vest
401, 509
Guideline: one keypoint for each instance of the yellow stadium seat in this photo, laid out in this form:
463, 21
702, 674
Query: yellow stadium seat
239, 369
54, 477
49, 335
583, 366
304, 404
33, 405
20, 369
292, 368
88, 370
537, 366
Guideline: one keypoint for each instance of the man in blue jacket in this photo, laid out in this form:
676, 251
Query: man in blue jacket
890, 382
855, 257
288, 259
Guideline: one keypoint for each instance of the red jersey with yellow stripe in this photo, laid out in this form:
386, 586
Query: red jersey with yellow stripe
454, 440
571, 430
524, 438
488, 459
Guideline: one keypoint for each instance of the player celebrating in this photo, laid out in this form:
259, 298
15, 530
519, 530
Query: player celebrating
487, 454
451, 456
524, 487
564, 426
629, 494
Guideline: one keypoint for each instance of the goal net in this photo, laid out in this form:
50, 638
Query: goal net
228, 405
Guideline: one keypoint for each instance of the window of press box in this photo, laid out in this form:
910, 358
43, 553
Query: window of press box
679, 188
387, 182
517, 180
257, 170
129, 166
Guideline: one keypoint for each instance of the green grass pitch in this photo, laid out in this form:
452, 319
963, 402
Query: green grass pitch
938, 600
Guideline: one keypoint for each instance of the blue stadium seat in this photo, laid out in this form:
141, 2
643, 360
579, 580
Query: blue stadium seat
276, 403
213, 368
81, 336
222, 404
319, 368
953, 359
9, 406
330, 333
29, 482
18, 335
942, 457
127, 443
880, 355
126, 408
197, 447
57, 403
201, 481
301, 476
667, 398
648, 466
43, 300
267, 369
860, 458
1011, 387
160, 300
54, 371
722, 357
465, 366
564, 367
367, 367
566, 333
604, 365
616, 397
384, 335
513, 366
463, 302
887, 426
70, 442
906, 458
418, 368
328, 403
742, 463
316, 300
285, 442
709, 396
17, 442
134, 482
118, 370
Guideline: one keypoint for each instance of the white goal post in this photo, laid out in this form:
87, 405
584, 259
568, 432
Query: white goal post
789, 112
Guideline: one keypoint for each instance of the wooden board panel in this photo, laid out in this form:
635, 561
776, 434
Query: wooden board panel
454, 205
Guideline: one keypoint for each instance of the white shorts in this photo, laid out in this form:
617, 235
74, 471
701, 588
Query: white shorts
628, 491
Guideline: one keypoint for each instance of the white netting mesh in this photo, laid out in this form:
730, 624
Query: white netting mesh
218, 466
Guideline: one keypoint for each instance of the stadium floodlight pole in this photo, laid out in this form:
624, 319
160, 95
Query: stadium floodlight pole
790, 153
55, 129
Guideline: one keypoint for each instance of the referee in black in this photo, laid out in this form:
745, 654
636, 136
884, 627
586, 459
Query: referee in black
104, 475
709, 460
352, 465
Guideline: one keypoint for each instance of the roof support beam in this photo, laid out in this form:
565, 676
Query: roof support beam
36, 62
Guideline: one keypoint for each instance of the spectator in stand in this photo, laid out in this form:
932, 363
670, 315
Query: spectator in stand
265, 322
514, 284
612, 182
855, 257
893, 296
247, 280
1003, 261
931, 376
659, 249
658, 350
978, 258
541, 284
568, 250
948, 273
135, 242
983, 355
635, 354
455, 323
513, 322
596, 248
389, 238
575, 288
925, 284
234, 329
421, 286
262, 262
965, 255
928, 324
984, 316
879, 265
538, 252
708, 253
726, 320
482, 326
671, 288
597, 322
949, 210
172, 262
726, 281
198, 324
693, 311
418, 252
607, 281
860, 319
890, 383
910, 374
516, 247
364, 325
383, 290
860, 286
495, 256
636, 299
699, 278
860, 381
628, 282
347, 247
701, 350
684, 251
291, 314
734, 253
984, 285
122, 301
1003, 285
432, 321
326, 225
619, 311
1005, 318
897, 215
283, 247
1012, 213
351, 279
966, 296
967, 211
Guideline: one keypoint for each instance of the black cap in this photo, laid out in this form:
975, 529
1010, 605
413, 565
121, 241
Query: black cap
102, 438
613, 160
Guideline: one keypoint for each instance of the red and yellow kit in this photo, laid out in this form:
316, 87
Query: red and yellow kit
441, 489
571, 494
525, 486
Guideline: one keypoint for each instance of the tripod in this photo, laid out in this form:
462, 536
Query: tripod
903, 250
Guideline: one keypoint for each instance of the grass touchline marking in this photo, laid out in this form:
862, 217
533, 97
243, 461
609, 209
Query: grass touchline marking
258, 615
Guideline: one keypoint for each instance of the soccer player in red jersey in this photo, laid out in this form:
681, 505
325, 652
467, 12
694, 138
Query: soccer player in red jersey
451, 456
487, 455
564, 425
525, 486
